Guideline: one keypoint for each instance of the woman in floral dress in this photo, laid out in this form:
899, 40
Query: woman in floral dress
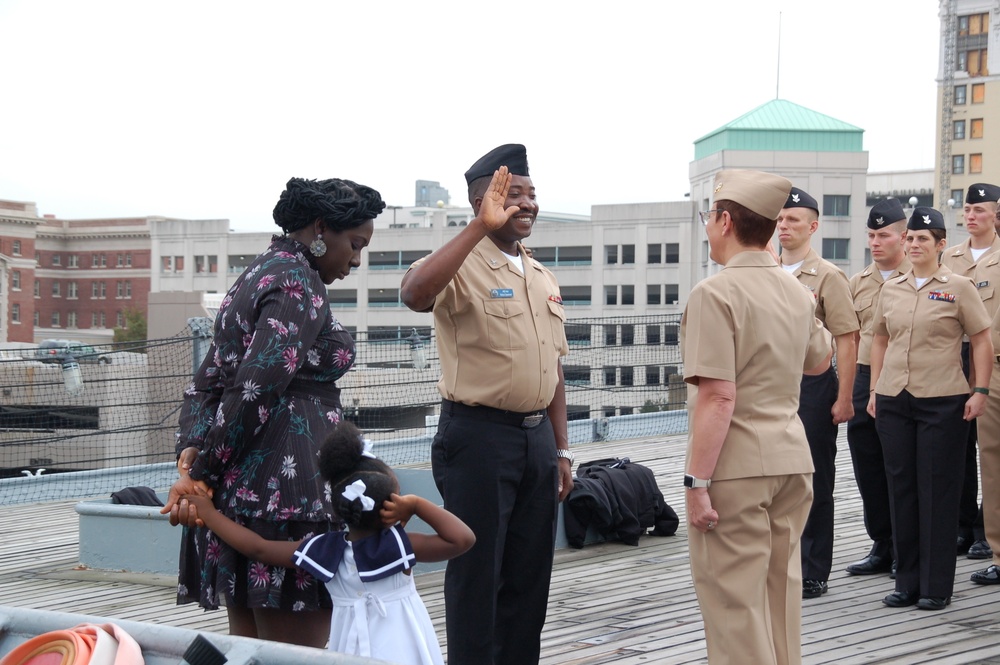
260, 405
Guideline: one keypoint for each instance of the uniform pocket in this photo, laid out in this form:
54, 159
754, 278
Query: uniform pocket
505, 326
558, 320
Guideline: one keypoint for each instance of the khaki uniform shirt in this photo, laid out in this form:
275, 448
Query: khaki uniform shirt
500, 333
865, 287
987, 278
925, 328
752, 324
958, 258
828, 283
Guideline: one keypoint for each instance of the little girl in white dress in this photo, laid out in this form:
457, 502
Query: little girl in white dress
367, 569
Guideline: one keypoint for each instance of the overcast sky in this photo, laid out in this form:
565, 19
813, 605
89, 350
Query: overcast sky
204, 109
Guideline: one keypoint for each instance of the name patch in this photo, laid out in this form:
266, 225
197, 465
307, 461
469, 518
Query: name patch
501, 293
983, 284
941, 295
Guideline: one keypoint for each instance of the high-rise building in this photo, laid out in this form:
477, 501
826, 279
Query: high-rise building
968, 131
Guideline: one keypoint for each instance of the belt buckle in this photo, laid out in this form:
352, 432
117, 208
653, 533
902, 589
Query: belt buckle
532, 421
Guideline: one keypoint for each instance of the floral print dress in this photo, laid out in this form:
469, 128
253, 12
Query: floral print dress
258, 409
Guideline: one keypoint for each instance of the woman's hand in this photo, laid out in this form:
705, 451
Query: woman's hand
975, 406
181, 511
185, 460
701, 515
871, 404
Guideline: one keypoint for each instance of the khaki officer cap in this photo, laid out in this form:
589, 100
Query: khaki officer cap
763, 193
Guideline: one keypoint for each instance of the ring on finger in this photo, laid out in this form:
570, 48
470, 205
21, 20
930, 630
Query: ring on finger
711, 525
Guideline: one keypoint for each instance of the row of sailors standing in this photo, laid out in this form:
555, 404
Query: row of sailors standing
913, 396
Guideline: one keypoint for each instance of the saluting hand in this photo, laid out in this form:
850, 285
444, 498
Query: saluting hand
491, 212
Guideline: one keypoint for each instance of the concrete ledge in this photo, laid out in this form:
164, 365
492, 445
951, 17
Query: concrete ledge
165, 645
121, 537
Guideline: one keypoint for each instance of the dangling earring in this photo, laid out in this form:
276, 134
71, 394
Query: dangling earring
317, 246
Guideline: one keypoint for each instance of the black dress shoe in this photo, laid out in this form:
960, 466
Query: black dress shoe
871, 565
980, 550
901, 598
964, 543
930, 603
990, 575
813, 588
892, 572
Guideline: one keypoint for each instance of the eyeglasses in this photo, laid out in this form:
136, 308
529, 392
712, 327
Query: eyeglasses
704, 216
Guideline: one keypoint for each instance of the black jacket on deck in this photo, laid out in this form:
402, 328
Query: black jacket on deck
620, 499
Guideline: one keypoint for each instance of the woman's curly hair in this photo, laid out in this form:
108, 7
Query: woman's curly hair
341, 463
341, 204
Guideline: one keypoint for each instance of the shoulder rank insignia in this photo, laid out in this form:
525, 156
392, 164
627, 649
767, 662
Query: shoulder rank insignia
941, 295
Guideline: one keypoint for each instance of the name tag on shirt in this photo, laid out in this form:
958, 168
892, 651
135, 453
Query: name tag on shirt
983, 284
501, 293
940, 295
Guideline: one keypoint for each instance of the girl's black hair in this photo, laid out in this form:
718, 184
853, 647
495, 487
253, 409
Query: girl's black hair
341, 463
341, 204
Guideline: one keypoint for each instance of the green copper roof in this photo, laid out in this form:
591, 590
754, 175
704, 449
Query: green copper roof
781, 125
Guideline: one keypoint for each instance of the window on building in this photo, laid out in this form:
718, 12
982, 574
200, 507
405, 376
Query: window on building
104, 289
610, 334
103, 320
575, 295
104, 260
979, 24
836, 249
653, 376
671, 334
673, 254
578, 334
628, 294
93, 319
71, 320
95, 290
179, 263
610, 376
836, 205
128, 288
976, 128
628, 334
705, 252
38, 258
653, 334
128, 260
963, 26
611, 254
627, 376
95, 261
38, 289
976, 163
73, 261
978, 93
611, 294
15, 313
975, 62
167, 264
958, 164
628, 254
343, 297
71, 290
119, 320
121, 260
963, 61
958, 130
55, 319
671, 294
573, 256
15, 280
383, 298
120, 287
576, 375
957, 199
56, 260
35, 318
56, 290
653, 294
960, 91
16, 248
654, 253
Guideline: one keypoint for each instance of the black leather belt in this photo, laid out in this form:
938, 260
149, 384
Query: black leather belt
489, 414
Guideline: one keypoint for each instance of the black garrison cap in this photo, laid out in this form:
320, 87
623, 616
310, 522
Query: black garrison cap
511, 155
885, 212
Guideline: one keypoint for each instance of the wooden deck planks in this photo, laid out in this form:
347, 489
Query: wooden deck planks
609, 603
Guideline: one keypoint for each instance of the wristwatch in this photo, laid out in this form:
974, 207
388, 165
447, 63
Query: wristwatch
565, 454
691, 482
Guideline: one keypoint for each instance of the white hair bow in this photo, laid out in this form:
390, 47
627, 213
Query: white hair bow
356, 490
367, 451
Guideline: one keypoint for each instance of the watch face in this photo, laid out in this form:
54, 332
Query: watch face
688, 481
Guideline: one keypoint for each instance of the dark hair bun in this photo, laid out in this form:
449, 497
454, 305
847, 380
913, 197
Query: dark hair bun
340, 204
